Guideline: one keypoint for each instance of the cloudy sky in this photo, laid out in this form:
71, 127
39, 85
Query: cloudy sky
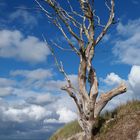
32, 106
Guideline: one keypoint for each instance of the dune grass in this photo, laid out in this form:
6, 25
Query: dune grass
67, 131
122, 122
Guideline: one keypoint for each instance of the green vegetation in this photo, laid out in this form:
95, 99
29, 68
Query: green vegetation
121, 123
67, 131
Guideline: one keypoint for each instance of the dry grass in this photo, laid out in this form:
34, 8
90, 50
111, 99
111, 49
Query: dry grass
121, 124
124, 125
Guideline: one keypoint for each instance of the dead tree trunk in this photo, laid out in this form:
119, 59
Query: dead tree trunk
70, 22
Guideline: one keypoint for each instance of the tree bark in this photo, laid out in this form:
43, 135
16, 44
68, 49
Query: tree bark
88, 127
88, 119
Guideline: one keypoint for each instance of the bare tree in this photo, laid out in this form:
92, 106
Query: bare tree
83, 27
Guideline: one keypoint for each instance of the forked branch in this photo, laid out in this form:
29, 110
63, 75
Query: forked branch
105, 98
64, 16
110, 21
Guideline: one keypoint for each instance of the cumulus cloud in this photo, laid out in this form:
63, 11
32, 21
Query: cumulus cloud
6, 82
28, 49
33, 119
44, 110
66, 115
24, 121
27, 100
51, 121
40, 79
37, 74
55, 85
5, 91
32, 112
41, 99
134, 80
127, 47
112, 79
133, 87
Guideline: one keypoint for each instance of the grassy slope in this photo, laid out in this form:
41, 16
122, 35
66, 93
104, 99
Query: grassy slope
67, 131
121, 124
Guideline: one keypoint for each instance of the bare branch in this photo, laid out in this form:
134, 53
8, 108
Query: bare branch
72, 19
56, 22
81, 33
52, 51
61, 48
71, 94
59, 65
106, 3
63, 15
110, 21
105, 98
85, 29
70, 43
73, 11
49, 15
86, 8
98, 21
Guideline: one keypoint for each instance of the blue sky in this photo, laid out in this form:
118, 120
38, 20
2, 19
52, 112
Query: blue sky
32, 105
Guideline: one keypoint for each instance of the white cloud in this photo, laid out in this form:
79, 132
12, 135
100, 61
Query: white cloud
24, 17
34, 103
60, 108
66, 115
50, 85
37, 74
35, 106
28, 49
5, 91
133, 88
112, 79
51, 121
129, 29
24, 121
127, 48
55, 85
41, 99
32, 112
74, 79
43, 107
6, 82
45, 97
134, 80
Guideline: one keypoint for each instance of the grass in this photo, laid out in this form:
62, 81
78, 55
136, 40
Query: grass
124, 125
67, 131
120, 124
